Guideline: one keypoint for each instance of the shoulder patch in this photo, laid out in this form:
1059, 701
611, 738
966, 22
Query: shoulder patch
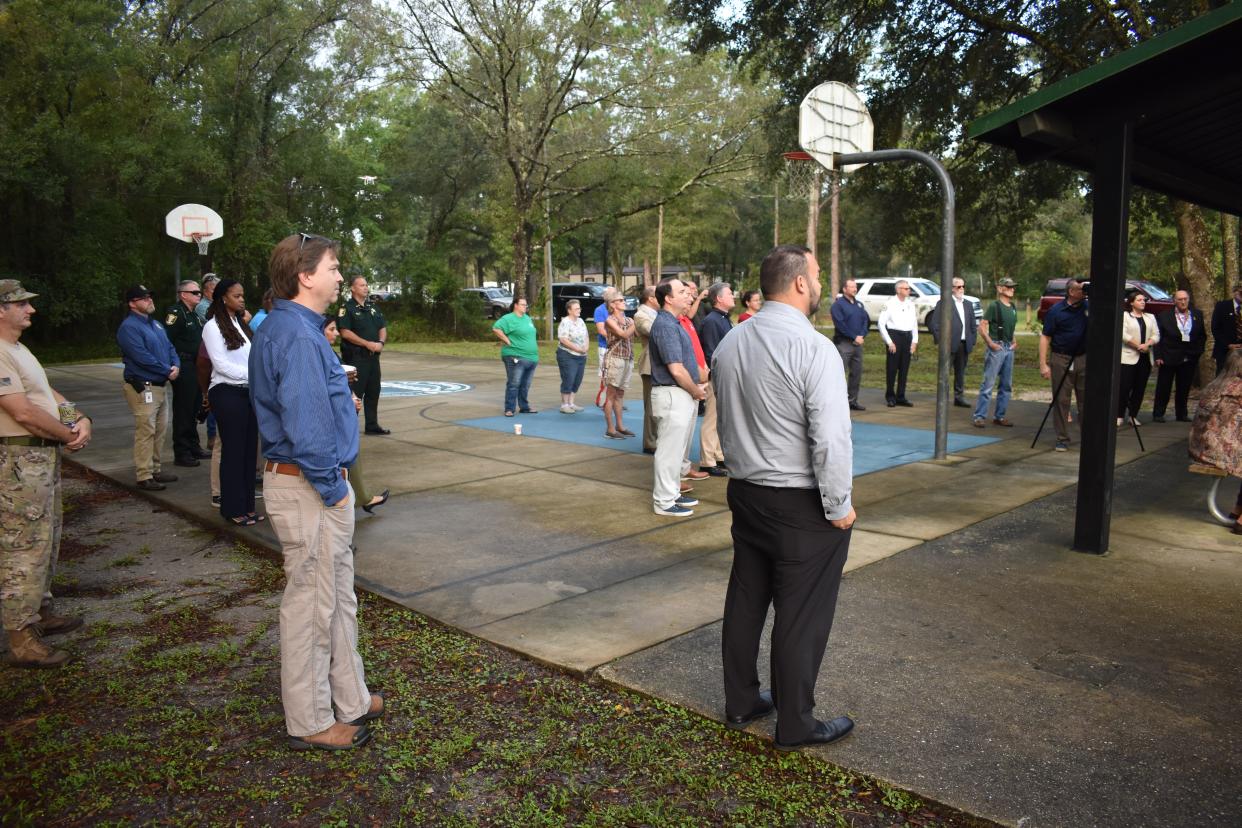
341, 312
171, 319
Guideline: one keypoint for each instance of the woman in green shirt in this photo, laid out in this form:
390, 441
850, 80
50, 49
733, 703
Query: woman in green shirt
520, 354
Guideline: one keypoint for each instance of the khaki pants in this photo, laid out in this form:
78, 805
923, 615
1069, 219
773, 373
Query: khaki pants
30, 516
673, 411
1075, 383
649, 432
321, 675
710, 453
150, 428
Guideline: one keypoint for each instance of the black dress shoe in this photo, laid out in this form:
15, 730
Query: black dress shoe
716, 471
367, 508
961, 403
164, 477
1157, 418
1183, 419
891, 403
201, 454
648, 451
823, 734
150, 485
378, 430
189, 462
857, 407
761, 710
905, 404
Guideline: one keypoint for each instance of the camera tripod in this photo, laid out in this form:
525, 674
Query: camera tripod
1056, 395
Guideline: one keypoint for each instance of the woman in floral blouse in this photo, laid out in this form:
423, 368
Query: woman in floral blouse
1216, 434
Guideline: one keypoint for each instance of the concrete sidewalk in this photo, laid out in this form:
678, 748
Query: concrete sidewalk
551, 549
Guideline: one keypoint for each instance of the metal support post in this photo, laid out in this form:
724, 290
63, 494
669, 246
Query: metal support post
1110, 218
946, 272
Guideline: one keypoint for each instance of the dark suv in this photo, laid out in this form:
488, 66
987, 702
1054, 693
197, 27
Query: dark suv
589, 294
1157, 300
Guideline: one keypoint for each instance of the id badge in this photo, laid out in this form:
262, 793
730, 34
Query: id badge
148, 397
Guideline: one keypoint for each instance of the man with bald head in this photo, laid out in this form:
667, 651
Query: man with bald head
1183, 338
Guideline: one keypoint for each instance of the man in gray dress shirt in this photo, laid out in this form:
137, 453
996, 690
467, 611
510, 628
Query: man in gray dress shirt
785, 427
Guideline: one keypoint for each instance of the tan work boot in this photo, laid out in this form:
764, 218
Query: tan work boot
52, 624
26, 649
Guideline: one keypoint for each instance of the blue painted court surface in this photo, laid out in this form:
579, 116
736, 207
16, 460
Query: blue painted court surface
876, 447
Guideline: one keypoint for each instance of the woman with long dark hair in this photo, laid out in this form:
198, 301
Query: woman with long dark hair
227, 337
1138, 337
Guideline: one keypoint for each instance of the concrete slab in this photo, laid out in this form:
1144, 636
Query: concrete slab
997, 671
601, 626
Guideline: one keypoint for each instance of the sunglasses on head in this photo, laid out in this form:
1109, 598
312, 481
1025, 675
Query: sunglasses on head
308, 236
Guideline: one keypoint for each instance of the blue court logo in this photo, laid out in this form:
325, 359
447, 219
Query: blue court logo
420, 388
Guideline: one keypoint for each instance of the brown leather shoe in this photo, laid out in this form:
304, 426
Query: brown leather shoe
695, 475
26, 649
1001, 421
52, 624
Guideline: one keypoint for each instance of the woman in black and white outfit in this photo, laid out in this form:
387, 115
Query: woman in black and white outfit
226, 337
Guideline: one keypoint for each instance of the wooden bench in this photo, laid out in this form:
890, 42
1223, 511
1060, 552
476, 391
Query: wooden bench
1220, 475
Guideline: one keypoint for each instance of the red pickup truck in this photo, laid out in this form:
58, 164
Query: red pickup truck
1157, 300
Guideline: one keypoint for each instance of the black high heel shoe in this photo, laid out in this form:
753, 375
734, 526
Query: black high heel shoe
383, 499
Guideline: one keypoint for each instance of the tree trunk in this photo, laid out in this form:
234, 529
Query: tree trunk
1195, 243
521, 259
1229, 246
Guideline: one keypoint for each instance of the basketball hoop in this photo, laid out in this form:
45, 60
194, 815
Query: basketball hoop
802, 174
202, 240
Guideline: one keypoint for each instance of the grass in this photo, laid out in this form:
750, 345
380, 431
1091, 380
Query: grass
170, 714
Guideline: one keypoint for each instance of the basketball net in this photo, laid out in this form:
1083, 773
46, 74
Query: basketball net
202, 240
802, 175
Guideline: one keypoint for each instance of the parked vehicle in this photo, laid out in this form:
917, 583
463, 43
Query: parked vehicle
493, 302
874, 293
1157, 300
589, 294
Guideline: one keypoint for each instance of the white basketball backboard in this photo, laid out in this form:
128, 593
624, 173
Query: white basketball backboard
188, 219
833, 119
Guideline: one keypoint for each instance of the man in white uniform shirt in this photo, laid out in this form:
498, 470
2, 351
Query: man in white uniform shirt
899, 328
784, 422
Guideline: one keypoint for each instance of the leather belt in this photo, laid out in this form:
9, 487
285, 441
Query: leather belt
36, 442
292, 469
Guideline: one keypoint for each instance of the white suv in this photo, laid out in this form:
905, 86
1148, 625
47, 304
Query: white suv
874, 293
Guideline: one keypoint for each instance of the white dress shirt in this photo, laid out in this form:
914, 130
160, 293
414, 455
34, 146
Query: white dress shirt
898, 315
228, 367
782, 409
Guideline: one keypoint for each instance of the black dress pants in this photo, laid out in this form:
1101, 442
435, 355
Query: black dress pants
1168, 376
960, 357
787, 555
239, 436
368, 388
1133, 386
897, 365
187, 398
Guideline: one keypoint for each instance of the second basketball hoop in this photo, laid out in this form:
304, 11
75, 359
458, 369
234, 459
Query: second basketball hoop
194, 224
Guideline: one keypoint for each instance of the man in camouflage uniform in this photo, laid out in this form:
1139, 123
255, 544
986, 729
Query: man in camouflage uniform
363, 334
185, 331
32, 435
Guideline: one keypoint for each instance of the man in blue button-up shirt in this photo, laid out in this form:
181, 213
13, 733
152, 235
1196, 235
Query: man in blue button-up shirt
309, 433
850, 323
150, 362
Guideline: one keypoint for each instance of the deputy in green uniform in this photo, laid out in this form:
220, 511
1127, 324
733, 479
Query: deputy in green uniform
363, 334
185, 331
36, 423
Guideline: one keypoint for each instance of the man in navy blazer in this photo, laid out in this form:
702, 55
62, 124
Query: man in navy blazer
962, 337
1183, 338
1226, 320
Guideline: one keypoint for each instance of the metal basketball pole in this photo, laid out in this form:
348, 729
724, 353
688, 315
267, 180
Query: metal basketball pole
946, 272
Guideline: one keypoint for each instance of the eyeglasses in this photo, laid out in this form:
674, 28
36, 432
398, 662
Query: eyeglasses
193, 292
308, 236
